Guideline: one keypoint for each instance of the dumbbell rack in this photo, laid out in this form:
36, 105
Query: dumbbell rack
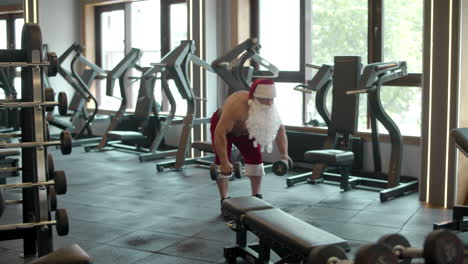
37, 238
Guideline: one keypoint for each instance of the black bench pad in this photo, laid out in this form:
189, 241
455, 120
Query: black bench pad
71, 255
236, 207
8, 152
125, 135
332, 157
460, 135
289, 231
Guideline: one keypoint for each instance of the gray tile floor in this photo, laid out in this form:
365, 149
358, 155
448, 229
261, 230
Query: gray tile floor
123, 211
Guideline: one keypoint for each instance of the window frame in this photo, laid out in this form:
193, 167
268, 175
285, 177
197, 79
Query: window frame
10, 21
165, 6
374, 46
98, 36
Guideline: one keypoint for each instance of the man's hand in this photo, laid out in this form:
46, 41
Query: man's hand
226, 168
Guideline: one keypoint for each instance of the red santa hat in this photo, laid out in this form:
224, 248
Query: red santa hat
262, 88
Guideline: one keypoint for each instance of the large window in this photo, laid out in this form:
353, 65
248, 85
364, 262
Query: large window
110, 49
140, 24
281, 44
314, 31
3, 34
11, 26
178, 32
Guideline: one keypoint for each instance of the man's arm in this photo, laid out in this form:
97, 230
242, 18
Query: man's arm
282, 142
224, 126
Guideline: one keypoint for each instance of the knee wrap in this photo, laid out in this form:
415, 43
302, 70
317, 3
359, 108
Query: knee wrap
254, 170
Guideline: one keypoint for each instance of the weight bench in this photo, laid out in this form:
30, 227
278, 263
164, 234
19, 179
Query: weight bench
70, 255
289, 237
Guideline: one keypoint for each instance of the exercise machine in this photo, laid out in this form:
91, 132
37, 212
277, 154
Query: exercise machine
176, 66
459, 212
320, 84
118, 72
230, 66
347, 83
80, 120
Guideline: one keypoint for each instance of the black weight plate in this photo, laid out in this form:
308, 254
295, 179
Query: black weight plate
50, 166
61, 224
65, 142
280, 168
47, 132
62, 103
375, 253
238, 170
60, 181
49, 97
443, 246
214, 171
393, 240
322, 254
52, 198
2, 202
52, 69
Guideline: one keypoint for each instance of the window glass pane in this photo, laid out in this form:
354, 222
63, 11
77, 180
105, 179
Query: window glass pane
3, 34
112, 52
19, 22
289, 103
146, 35
178, 24
402, 32
112, 38
178, 33
338, 28
279, 31
403, 105
146, 30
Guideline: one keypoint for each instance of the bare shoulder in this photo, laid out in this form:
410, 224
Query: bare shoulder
236, 105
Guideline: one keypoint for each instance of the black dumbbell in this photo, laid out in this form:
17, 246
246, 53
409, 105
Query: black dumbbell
214, 171
326, 255
281, 167
62, 101
60, 222
238, 170
59, 182
368, 254
65, 143
48, 104
52, 69
440, 247
4, 203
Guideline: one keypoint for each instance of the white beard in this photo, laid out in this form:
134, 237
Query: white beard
263, 123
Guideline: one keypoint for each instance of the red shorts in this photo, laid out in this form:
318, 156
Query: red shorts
250, 154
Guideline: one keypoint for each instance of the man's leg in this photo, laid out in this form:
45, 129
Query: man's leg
223, 186
255, 173
253, 162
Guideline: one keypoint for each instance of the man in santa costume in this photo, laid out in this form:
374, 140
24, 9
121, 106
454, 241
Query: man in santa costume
250, 121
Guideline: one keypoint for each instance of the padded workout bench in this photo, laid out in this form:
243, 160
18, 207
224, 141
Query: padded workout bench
289, 237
